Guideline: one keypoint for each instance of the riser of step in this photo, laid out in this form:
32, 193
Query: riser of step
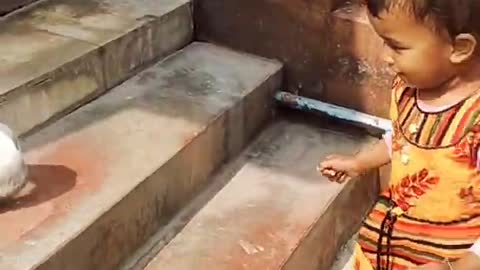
359, 63
276, 212
112, 173
331, 56
61, 53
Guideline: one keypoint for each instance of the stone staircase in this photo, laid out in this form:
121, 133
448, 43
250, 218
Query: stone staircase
60, 54
148, 150
274, 212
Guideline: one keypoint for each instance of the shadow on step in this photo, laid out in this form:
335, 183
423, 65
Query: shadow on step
46, 182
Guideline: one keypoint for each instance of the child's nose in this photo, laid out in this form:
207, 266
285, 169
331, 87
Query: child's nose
389, 60
387, 56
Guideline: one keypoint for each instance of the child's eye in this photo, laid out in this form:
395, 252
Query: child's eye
395, 47
399, 48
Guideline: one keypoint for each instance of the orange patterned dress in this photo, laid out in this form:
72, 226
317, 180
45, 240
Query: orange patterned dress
431, 209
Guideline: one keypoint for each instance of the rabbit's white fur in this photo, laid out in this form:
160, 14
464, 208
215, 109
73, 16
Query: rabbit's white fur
13, 171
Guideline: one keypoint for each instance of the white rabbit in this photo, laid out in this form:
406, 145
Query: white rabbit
13, 170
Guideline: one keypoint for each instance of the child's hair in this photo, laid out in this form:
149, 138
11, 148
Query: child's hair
456, 16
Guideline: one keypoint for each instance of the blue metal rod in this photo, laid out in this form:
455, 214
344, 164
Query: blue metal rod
311, 105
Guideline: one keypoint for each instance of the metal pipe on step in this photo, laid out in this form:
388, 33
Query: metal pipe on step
312, 105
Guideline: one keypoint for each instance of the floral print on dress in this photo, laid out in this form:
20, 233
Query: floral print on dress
466, 151
471, 197
397, 138
411, 188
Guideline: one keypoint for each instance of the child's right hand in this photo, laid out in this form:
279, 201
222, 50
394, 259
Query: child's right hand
339, 168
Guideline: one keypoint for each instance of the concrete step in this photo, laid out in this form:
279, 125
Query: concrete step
58, 54
10, 5
276, 212
109, 175
359, 64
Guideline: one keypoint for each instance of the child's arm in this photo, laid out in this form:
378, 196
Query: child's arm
470, 261
374, 156
342, 168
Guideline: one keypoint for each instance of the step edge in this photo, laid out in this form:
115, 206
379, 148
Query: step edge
24, 88
275, 75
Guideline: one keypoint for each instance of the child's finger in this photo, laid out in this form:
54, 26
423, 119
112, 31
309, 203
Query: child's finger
327, 164
337, 176
343, 178
331, 179
329, 173
329, 176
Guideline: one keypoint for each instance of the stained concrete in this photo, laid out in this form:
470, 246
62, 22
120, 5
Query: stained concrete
61, 53
109, 175
359, 68
326, 49
276, 212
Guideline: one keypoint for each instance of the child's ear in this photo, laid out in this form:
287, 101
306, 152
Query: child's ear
463, 49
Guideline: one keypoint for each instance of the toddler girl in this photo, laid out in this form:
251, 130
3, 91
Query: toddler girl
429, 216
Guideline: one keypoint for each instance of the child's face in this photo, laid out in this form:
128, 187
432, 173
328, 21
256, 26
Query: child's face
419, 55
